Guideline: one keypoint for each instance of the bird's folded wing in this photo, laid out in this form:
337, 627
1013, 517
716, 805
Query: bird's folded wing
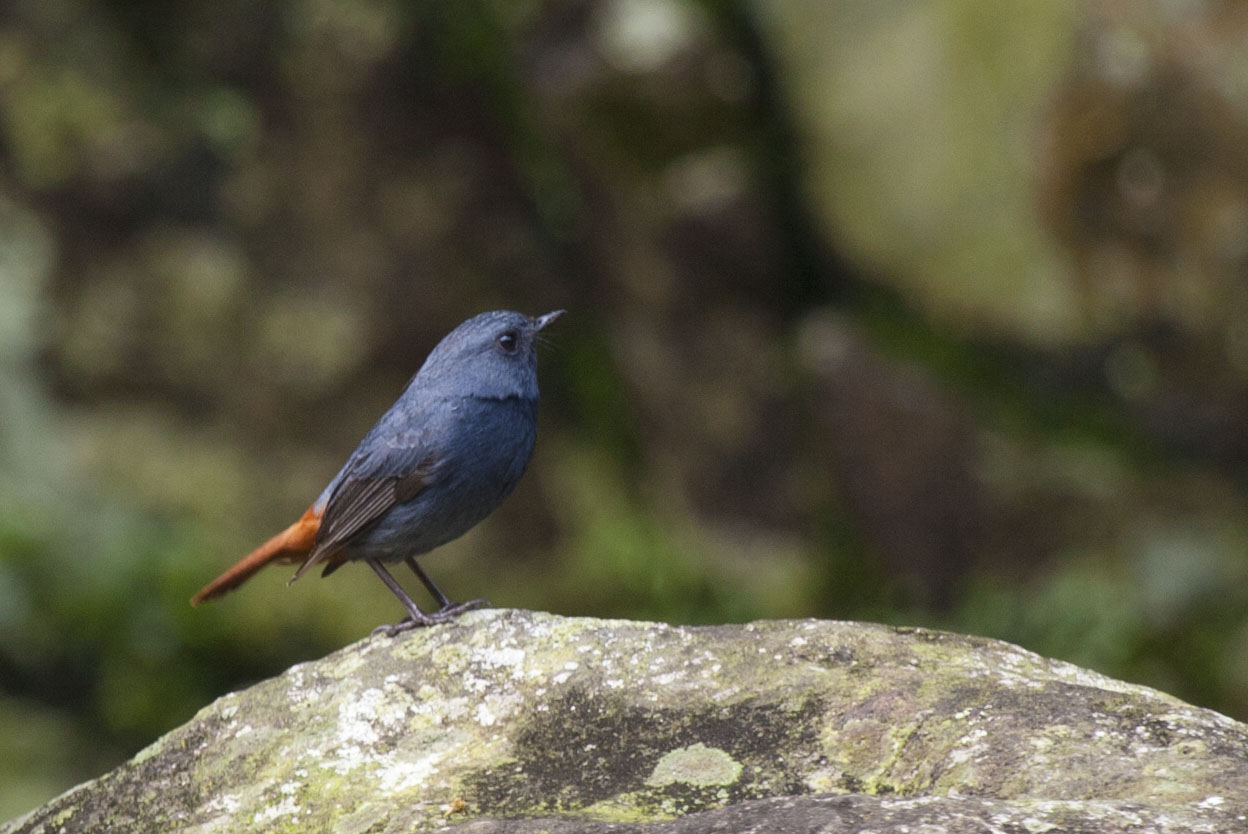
361, 498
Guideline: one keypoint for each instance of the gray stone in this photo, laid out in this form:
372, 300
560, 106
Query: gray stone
527, 722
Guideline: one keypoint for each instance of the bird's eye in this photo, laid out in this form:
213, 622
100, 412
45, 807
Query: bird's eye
507, 341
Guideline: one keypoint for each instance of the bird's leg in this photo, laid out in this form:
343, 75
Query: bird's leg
415, 617
443, 601
446, 607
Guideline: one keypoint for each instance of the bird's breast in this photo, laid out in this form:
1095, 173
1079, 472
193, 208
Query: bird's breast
484, 448
493, 441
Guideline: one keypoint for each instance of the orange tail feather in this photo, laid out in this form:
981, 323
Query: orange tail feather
287, 547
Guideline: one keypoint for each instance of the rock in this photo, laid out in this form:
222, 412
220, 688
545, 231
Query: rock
520, 721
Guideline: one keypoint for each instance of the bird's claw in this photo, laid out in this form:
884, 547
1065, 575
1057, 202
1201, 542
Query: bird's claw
442, 615
456, 608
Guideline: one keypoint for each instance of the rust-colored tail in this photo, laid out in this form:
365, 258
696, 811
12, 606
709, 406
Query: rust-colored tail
287, 547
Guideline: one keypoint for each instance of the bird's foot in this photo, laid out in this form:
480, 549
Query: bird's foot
443, 615
454, 609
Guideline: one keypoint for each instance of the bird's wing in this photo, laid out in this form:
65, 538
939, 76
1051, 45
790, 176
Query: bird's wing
370, 485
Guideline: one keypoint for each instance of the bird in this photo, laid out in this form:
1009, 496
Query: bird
441, 459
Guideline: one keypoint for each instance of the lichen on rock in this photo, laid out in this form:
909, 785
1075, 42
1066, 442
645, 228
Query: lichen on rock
578, 723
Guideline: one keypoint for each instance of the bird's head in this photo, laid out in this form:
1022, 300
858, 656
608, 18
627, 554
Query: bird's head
492, 356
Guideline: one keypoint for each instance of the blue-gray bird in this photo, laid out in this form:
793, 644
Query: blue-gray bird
444, 456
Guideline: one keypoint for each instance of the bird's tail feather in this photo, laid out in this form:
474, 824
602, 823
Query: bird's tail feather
287, 547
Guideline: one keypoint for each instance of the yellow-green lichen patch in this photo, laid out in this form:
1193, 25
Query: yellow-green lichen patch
697, 765
450, 658
344, 665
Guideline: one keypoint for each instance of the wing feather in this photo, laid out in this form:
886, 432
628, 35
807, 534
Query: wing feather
363, 496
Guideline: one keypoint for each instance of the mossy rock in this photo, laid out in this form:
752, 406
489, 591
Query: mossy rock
521, 721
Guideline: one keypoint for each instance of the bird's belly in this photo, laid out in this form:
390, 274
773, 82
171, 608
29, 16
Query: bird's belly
416, 527
468, 487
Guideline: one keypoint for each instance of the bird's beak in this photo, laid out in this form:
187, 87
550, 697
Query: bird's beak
545, 321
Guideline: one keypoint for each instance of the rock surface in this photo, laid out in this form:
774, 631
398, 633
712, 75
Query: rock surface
526, 722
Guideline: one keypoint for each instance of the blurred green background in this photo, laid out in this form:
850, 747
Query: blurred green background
918, 312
